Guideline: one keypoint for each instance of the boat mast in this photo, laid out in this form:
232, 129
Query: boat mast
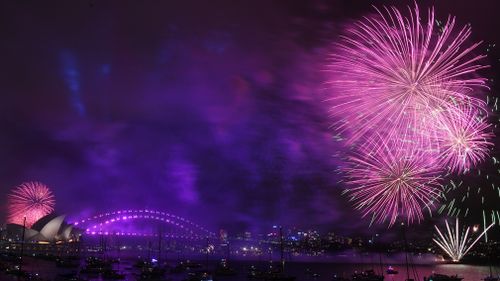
378, 249
206, 257
406, 252
490, 254
22, 246
282, 250
159, 245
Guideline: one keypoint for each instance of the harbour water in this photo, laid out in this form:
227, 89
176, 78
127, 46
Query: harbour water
302, 270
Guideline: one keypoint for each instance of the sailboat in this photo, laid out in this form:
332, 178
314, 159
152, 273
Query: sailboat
152, 269
279, 274
272, 274
442, 277
491, 277
391, 270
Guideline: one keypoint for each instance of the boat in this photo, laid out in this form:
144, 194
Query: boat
491, 277
95, 266
97, 262
223, 269
279, 277
336, 277
315, 275
22, 274
279, 274
112, 274
152, 273
199, 276
311, 274
8, 257
67, 262
184, 266
95, 269
152, 278
442, 277
391, 270
16, 271
272, 274
254, 273
72, 276
367, 275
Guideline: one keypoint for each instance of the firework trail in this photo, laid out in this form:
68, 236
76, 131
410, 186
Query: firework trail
474, 195
457, 242
32, 200
389, 181
408, 103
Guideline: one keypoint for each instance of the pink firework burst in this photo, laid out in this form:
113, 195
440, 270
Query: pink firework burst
32, 200
391, 181
389, 71
406, 97
464, 138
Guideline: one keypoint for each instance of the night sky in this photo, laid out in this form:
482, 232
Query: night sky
213, 110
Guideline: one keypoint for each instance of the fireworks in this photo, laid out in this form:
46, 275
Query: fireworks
390, 71
407, 100
32, 200
391, 182
463, 137
457, 243
474, 195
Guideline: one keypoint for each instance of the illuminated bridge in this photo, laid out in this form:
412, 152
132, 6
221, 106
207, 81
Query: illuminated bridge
137, 222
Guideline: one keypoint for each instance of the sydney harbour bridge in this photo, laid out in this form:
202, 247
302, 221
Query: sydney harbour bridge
142, 222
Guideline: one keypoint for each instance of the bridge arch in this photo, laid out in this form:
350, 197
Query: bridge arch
99, 223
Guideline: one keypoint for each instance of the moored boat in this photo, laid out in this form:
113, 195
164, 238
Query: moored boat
367, 275
443, 277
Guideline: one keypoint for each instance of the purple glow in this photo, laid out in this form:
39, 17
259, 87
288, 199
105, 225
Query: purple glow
104, 220
234, 137
186, 128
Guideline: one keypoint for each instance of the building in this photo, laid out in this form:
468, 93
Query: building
51, 228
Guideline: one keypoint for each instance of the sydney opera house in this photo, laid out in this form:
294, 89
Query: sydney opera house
51, 228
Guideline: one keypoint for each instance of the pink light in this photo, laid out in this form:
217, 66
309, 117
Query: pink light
391, 71
464, 137
391, 180
32, 200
